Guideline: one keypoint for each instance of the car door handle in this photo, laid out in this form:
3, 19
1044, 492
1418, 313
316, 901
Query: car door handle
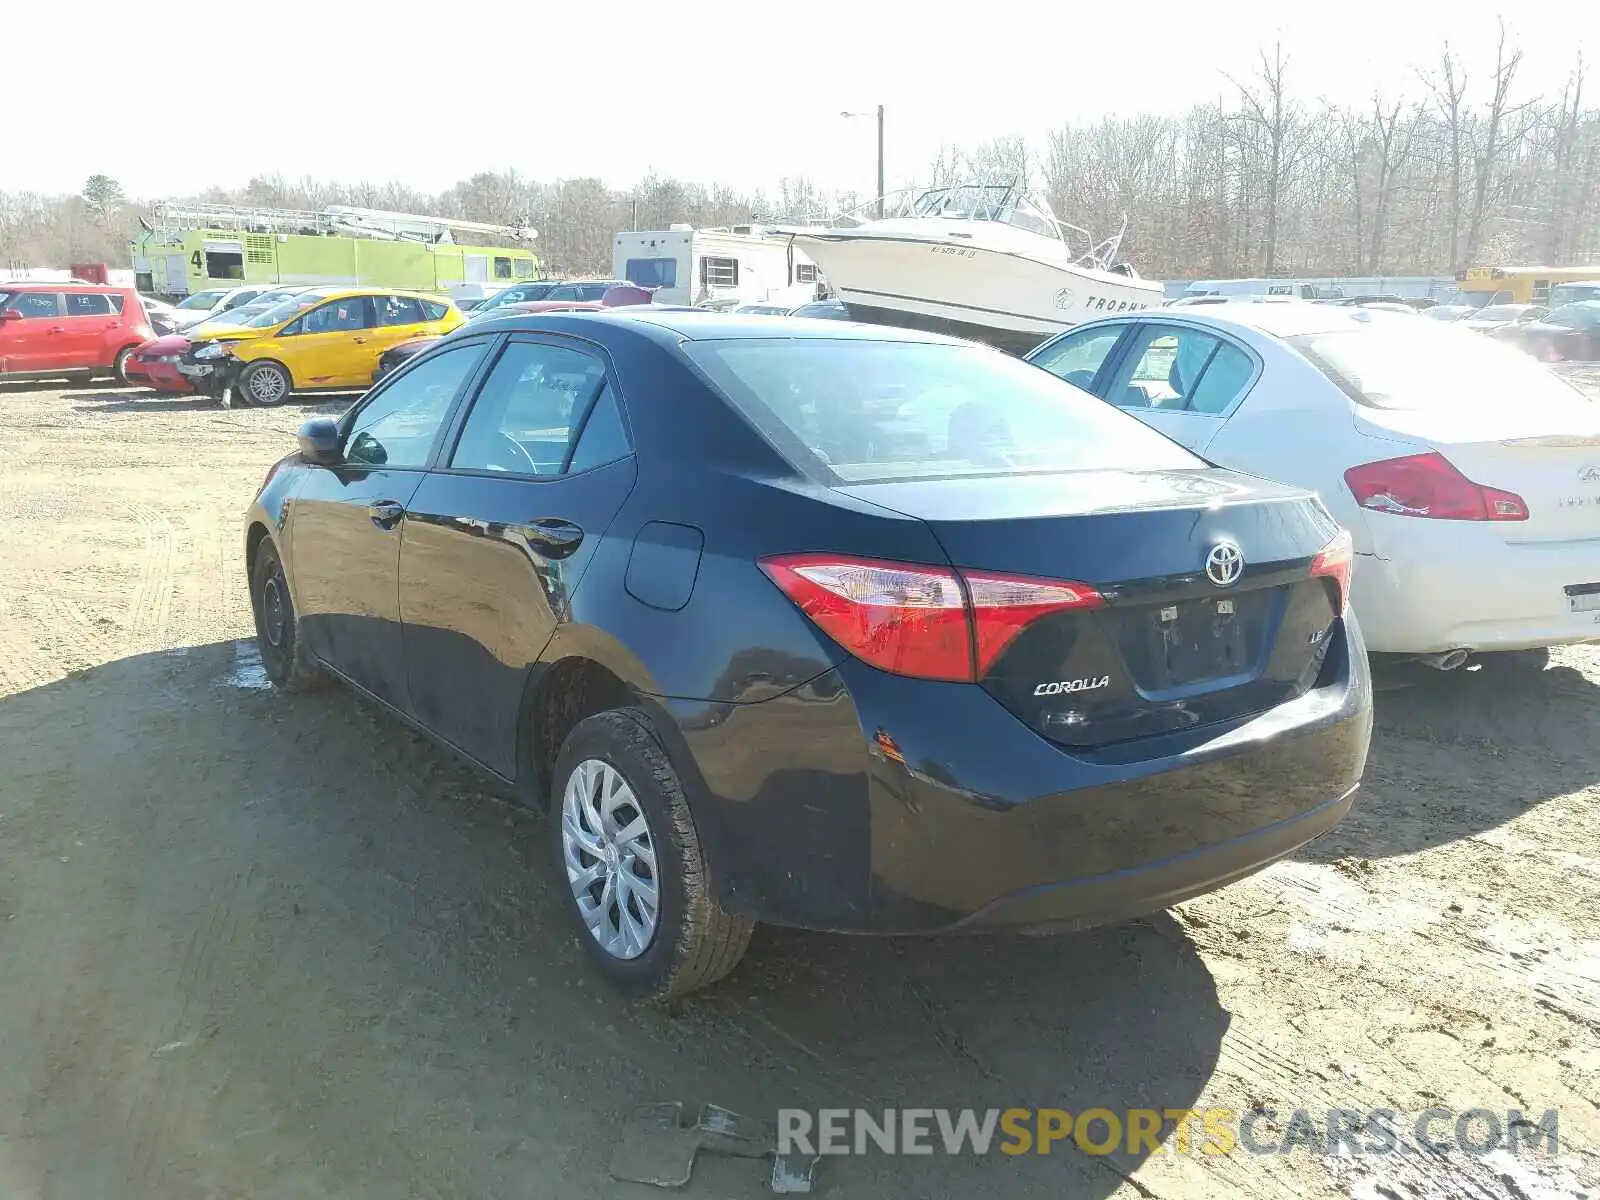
553, 536
359, 341
385, 514
56, 329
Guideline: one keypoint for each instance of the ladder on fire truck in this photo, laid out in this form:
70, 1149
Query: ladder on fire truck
334, 219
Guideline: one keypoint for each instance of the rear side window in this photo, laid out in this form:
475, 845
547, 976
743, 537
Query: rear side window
432, 310
33, 306
866, 411
116, 302
88, 304
398, 310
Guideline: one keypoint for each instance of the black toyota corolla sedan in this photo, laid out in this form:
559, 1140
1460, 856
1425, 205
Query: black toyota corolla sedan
820, 624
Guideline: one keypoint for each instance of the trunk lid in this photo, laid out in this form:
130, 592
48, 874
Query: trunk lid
1551, 460
1171, 648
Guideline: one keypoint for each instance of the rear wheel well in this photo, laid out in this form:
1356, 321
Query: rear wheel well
564, 694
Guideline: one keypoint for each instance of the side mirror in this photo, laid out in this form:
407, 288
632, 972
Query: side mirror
10, 314
319, 441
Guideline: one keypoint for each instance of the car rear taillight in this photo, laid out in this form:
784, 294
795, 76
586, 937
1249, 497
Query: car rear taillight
922, 621
1335, 561
1428, 485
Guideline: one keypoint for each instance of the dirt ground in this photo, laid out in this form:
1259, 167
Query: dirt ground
261, 946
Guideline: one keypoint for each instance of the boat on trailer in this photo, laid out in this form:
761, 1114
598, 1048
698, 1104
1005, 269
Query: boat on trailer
980, 260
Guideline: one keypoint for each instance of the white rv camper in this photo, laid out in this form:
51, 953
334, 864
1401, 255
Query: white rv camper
685, 265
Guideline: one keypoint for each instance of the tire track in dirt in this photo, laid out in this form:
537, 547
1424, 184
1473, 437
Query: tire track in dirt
150, 607
170, 1111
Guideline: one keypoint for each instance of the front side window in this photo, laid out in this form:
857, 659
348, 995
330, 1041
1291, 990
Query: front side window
1078, 357
398, 310
33, 306
338, 316
88, 304
860, 411
528, 409
398, 427
652, 272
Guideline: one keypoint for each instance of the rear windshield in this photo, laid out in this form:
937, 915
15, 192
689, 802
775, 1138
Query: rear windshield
1424, 367
868, 411
1582, 315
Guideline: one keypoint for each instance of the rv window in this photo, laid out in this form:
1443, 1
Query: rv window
652, 272
502, 268
805, 272
524, 268
719, 272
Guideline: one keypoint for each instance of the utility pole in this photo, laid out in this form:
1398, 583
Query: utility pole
880, 162
848, 115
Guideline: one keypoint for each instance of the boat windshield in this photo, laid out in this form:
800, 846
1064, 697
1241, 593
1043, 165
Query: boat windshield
985, 202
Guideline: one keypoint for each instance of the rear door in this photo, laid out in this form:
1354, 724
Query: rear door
395, 319
500, 534
347, 523
31, 341
88, 320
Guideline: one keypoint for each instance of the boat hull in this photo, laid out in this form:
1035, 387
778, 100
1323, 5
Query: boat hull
1004, 296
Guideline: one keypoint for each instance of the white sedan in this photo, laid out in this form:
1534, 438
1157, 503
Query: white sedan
1467, 473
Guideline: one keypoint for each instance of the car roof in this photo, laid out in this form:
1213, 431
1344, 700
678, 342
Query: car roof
25, 284
1278, 320
671, 325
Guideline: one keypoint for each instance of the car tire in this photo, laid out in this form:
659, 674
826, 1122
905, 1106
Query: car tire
692, 942
265, 383
283, 652
119, 366
1515, 662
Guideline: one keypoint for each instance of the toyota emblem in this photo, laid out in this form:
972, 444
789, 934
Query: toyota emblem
1224, 564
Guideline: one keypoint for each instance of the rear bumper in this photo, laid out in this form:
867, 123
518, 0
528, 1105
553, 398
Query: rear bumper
806, 821
1467, 589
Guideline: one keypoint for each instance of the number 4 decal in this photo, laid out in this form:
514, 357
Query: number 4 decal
196, 262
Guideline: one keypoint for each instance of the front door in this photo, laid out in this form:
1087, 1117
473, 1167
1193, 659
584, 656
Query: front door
1181, 380
31, 340
348, 521
328, 345
498, 538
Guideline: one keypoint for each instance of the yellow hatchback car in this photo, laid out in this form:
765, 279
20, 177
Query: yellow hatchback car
327, 339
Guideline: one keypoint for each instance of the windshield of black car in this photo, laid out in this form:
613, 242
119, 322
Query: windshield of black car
864, 411
1418, 367
1583, 315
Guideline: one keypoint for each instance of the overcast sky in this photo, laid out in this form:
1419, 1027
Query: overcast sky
708, 91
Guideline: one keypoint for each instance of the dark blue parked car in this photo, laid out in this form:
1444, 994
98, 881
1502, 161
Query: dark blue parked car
825, 625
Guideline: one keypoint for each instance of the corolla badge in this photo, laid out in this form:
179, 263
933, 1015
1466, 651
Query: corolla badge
1224, 564
1089, 683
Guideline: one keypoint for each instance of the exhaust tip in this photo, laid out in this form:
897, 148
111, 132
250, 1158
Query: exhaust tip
1448, 661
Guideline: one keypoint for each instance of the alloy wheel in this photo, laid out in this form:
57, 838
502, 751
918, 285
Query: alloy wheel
268, 386
610, 859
